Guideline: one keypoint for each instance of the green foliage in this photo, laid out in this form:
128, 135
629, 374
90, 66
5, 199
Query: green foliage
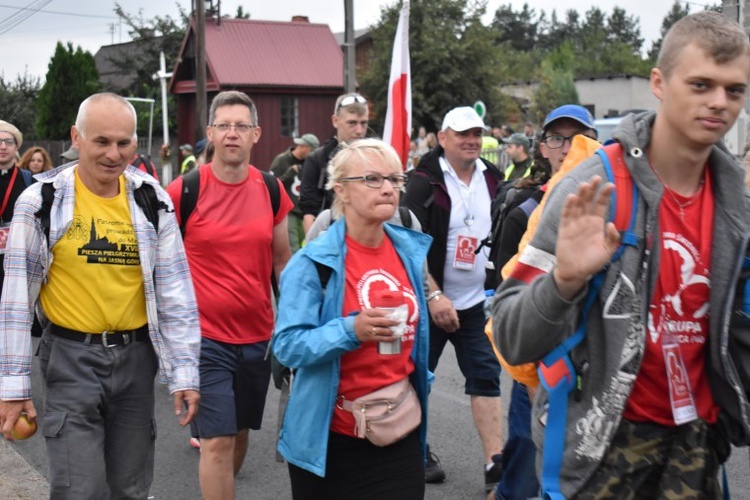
18, 102
453, 61
152, 36
71, 78
556, 87
241, 14
677, 12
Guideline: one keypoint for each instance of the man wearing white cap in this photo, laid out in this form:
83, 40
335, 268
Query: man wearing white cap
450, 192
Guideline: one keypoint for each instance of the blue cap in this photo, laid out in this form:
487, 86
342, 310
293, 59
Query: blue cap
200, 146
572, 112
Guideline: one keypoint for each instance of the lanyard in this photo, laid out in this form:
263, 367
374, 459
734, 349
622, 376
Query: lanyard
7, 192
466, 193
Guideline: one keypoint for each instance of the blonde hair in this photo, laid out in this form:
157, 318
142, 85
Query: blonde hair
719, 36
364, 150
26, 158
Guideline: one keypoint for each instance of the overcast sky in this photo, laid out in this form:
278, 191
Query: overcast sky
92, 23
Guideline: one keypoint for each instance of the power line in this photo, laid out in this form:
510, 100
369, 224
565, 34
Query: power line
59, 12
22, 15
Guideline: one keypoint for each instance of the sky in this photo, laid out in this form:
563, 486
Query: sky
29, 45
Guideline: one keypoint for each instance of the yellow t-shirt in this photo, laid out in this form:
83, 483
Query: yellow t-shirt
95, 281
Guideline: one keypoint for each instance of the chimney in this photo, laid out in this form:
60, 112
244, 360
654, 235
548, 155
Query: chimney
300, 19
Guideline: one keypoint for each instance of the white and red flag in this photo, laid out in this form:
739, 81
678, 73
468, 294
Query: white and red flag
398, 116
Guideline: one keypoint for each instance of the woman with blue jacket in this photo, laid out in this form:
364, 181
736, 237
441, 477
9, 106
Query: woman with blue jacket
328, 332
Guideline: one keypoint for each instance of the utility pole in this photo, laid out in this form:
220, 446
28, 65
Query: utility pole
200, 69
350, 66
163, 76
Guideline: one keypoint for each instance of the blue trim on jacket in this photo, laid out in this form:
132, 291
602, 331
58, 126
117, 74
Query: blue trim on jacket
311, 336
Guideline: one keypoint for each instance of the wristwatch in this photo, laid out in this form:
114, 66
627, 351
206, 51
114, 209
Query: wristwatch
434, 296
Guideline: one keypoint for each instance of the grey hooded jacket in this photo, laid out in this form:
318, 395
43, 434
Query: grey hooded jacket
531, 319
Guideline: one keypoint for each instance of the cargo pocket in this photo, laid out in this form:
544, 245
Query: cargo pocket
53, 429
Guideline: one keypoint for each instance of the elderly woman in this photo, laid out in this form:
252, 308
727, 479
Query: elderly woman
35, 160
329, 332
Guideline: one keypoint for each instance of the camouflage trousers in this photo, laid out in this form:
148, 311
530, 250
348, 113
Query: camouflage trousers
651, 461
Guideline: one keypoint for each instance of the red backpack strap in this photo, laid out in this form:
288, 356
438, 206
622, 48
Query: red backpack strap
625, 196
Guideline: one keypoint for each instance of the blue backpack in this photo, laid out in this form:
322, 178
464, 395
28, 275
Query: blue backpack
557, 372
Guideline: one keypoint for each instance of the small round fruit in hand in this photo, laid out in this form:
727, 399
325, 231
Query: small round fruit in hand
24, 428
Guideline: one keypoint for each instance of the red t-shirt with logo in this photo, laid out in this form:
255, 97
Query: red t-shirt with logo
364, 370
228, 244
680, 304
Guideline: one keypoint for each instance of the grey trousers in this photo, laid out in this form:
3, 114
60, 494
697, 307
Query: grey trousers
98, 418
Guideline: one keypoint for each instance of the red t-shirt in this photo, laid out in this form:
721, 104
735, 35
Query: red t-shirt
364, 370
680, 303
228, 244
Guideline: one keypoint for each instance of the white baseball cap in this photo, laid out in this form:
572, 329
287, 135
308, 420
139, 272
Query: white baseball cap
461, 119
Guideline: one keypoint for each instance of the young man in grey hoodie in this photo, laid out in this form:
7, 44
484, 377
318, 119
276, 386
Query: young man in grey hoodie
664, 358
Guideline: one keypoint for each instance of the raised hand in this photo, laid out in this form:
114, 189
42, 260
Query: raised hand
586, 241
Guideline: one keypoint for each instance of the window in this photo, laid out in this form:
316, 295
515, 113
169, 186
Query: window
289, 117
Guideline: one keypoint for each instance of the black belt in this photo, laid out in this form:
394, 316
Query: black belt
107, 338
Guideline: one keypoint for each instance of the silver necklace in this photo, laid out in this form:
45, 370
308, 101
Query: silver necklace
680, 206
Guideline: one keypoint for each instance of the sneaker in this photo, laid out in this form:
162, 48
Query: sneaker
493, 474
195, 443
433, 472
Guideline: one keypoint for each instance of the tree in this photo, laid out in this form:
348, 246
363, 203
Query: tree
18, 102
677, 12
71, 78
519, 29
624, 28
152, 36
556, 87
453, 60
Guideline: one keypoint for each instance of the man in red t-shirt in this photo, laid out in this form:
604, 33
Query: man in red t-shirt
662, 371
234, 243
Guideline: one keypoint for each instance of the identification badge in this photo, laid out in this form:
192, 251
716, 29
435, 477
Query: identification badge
680, 393
465, 258
4, 231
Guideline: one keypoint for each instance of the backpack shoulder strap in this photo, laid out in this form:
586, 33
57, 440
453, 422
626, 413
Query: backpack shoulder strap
48, 197
146, 198
273, 191
624, 198
191, 183
405, 215
27, 178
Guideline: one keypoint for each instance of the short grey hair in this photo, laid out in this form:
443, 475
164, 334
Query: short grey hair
83, 110
365, 150
231, 98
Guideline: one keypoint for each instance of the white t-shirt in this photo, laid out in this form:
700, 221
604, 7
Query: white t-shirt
470, 217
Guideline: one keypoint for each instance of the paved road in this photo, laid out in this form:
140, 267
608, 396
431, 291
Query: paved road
452, 436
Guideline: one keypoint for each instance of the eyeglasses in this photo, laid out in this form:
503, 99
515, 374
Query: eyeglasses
376, 181
8, 142
558, 141
349, 100
242, 128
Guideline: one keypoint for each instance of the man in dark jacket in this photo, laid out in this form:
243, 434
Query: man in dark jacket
350, 119
450, 192
286, 166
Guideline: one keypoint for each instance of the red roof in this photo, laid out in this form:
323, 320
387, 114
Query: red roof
268, 53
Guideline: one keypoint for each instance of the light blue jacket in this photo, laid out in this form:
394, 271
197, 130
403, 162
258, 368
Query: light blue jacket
311, 336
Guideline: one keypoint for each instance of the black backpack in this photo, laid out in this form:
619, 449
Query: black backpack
145, 197
142, 162
508, 197
191, 187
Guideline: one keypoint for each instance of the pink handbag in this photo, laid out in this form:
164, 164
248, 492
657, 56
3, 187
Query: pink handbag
386, 415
